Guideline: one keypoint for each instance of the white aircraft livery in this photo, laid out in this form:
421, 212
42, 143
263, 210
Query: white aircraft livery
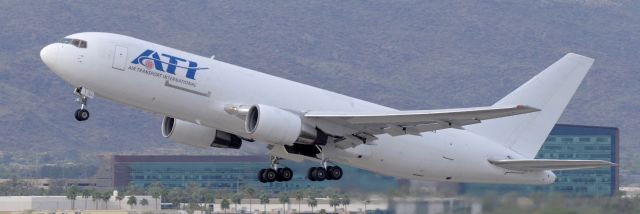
209, 103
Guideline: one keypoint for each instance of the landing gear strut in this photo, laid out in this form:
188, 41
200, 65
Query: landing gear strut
274, 173
83, 94
325, 171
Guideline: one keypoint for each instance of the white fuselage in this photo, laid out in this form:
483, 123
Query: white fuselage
106, 68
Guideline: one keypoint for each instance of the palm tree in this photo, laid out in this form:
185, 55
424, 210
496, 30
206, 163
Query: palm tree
312, 194
86, 193
284, 199
144, 202
156, 191
72, 194
366, 201
198, 197
95, 197
196, 193
209, 198
177, 196
224, 205
250, 193
132, 189
120, 197
236, 199
334, 201
312, 202
345, 201
132, 201
105, 197
264, 200
299, 196
223, 193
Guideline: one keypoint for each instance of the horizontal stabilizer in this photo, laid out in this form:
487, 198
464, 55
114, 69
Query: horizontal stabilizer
549, 164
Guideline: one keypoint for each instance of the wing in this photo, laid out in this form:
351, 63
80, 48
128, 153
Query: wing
397, 123
549, 164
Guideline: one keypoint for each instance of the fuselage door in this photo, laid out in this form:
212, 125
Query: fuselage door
119, 58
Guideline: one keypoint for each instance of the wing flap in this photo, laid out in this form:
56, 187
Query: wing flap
397, 123
550, 164
479, 113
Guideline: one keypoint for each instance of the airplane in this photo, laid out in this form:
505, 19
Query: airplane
210, 103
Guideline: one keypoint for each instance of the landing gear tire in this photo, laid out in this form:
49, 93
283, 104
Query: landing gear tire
82, 114
318, 174
261, 176
334, 173
279, 175
269, 175
310, 174
285, 174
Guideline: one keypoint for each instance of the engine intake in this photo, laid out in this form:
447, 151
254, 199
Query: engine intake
193, 134
276, 125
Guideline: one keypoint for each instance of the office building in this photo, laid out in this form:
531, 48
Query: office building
224, 172
570, 142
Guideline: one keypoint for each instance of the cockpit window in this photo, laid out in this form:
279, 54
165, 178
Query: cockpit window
65, 41
75, 42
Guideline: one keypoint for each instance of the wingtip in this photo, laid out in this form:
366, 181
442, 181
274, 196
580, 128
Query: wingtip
532, 109
578, 56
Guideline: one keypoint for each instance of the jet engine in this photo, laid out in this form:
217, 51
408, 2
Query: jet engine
276, 125
193, 134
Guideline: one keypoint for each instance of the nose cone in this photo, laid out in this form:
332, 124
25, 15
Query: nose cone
48, 55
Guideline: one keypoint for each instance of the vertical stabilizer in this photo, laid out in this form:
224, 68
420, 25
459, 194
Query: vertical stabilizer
550, 91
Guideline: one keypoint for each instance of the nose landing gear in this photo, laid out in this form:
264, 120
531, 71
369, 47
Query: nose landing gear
83, 95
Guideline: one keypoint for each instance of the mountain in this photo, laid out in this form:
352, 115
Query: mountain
403, 54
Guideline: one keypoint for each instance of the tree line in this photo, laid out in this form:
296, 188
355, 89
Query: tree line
194, 197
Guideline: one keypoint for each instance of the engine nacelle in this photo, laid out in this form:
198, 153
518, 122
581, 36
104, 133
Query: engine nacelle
276, 125
184, 132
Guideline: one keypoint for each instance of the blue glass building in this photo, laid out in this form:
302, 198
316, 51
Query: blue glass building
231, 173
570, 142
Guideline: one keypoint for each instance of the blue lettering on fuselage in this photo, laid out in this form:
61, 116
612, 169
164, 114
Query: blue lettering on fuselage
172, 63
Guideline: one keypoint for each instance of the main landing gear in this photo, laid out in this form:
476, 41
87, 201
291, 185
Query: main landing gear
320, 173
83, 95
274, 173
325, 171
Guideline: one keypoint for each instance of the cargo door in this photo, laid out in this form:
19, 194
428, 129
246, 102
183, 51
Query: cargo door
119, 58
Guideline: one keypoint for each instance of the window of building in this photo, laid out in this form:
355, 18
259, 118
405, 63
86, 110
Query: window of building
600, 156
553, 147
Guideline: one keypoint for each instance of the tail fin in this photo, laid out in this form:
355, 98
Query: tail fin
549, 91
